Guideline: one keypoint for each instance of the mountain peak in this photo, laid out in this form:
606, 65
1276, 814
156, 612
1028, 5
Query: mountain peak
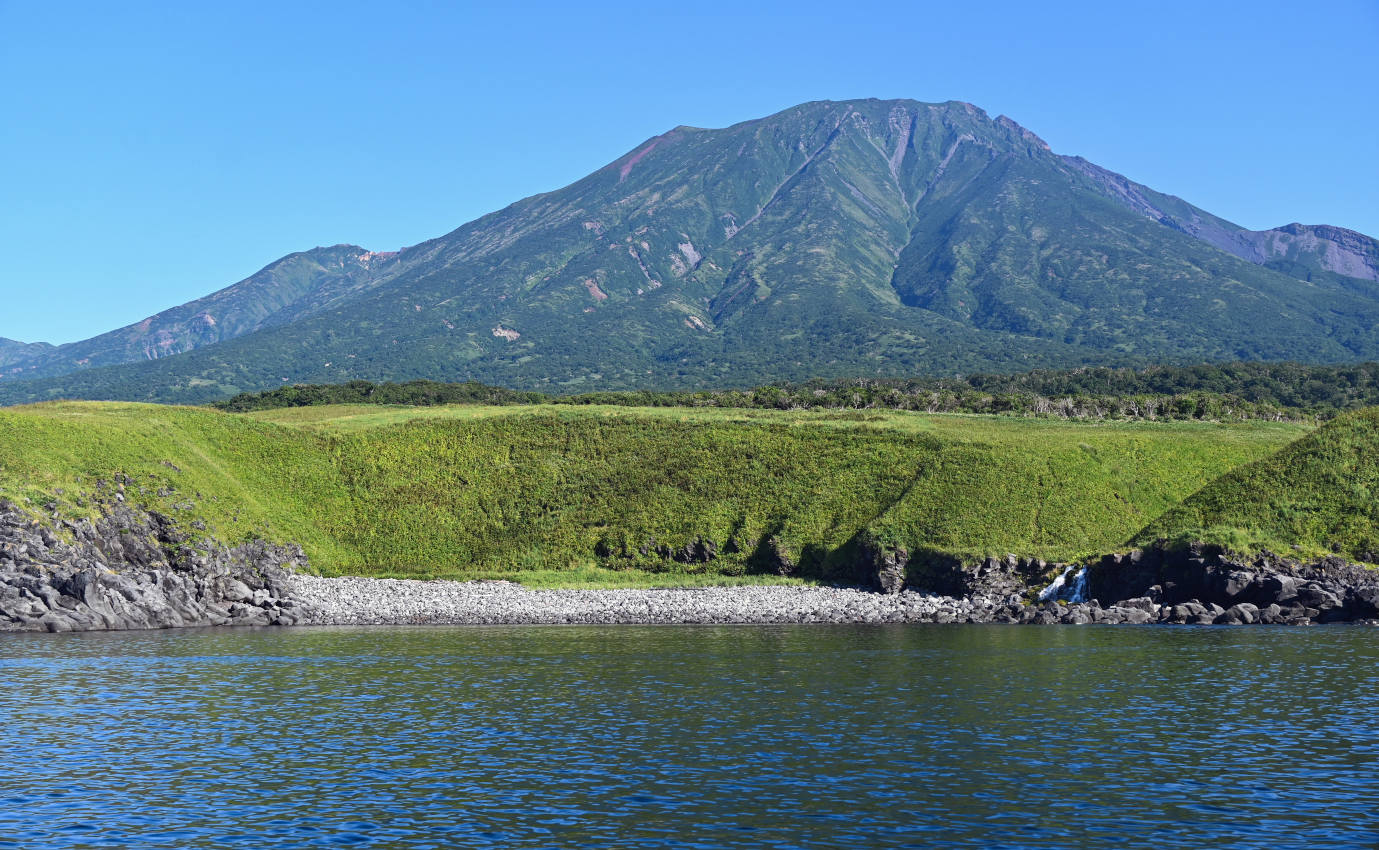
863, 237
1009, 124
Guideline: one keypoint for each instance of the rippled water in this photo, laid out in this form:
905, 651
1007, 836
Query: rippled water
692, 737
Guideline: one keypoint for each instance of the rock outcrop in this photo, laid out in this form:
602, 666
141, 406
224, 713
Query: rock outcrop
1197, 585
134, 569
884, 566
1203, 583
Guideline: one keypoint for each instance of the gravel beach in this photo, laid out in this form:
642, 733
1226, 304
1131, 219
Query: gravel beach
369, 601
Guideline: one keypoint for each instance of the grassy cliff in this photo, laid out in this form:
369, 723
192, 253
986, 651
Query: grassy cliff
554, 494
1319, 494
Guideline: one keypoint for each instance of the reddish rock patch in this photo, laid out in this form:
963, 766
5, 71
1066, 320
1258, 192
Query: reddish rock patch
593, 287
636, 158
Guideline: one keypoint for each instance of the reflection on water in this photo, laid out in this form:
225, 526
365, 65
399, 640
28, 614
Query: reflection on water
691, 737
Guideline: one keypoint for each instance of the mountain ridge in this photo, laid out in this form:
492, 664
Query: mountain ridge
832, 238
1345, 252
12, 350
291, 287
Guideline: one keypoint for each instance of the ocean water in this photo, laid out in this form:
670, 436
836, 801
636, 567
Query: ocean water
810, 736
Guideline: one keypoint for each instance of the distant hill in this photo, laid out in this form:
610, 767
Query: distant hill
293, 288
1320, 493
12, 351
834, 239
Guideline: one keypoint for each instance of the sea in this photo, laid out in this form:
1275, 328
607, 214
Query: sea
692, 737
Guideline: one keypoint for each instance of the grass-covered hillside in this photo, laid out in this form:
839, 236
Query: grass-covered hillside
1320, 494
559, 494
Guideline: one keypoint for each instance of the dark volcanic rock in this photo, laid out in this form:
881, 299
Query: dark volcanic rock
1242, 613
884, 565
778, 556
133, 569
1364, 602
1002, 578
1267, 588
1198, 584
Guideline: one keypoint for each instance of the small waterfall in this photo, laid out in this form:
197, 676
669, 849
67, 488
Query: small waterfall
1055, 588
1060, 590
1079, 591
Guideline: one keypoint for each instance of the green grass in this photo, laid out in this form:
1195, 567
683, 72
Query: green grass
1319, 495
243, 478
530, 493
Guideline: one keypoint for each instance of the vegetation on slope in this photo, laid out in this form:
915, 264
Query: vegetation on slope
874, 238
294, 287
1319, 494
562, 494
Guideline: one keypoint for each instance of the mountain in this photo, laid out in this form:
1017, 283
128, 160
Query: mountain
13, 351
297, 286
882, 238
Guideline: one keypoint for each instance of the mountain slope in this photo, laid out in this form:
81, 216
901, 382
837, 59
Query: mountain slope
1299, 250
13, 351
294, 287
832, 239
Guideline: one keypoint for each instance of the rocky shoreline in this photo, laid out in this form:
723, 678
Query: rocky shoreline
133, 569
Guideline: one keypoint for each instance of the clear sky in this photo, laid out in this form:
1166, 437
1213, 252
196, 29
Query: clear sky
151, 153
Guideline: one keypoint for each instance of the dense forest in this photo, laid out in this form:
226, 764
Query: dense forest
1274, 391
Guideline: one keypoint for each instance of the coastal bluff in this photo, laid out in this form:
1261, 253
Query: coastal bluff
132, 568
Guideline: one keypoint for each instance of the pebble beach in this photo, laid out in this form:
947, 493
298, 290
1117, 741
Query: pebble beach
372, 601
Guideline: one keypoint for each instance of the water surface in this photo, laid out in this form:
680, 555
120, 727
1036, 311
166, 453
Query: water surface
793, 736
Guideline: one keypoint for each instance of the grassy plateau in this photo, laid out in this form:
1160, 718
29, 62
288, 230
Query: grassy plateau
559, 495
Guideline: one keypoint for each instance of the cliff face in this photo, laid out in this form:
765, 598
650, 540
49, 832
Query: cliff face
133, 569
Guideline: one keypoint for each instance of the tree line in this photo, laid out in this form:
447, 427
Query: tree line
1220, 392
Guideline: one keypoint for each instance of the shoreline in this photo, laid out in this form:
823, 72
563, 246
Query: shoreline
298, 599
130, 570
358, 601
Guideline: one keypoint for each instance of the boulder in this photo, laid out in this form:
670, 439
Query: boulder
1270, 589
1188, 612
1232, 585
1120, 614
1364, 602
1316, 596
1240, 614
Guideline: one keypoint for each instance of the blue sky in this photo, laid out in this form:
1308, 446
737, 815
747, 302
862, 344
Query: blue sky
152, 153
